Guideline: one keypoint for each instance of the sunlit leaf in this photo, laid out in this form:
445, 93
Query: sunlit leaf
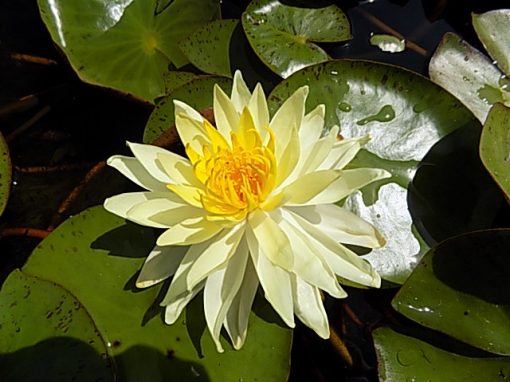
283, 36
125, 44
209, 47
469, 75
388, 43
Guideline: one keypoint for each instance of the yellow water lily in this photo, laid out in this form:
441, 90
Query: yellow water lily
253, 203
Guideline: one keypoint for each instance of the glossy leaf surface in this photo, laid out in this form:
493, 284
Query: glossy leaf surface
282, 35
125, 44
469, 75
47, 333
462, 288
402, 359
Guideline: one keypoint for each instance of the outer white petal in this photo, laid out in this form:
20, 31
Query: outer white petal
319, 151
226, 116
306, 188
343, 152
308, 264
259, 110
341, 225
161, 263
350, 181
219, 251
309, 308
178, 294
312, 127
183, 108
122, 203
342, 261
163, 212
275, 281
220, 290
238, 315
269, 237
132, 169
147, 155
289, 116
179, 169
190, 231
191, 131
240, 93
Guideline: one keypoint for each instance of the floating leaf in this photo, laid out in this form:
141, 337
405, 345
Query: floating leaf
469, 75
96, 257
48, 335
125, 44
390, 216
495, 146
462, 288
388, 43
405, 114
198, 93
452, 193
209, 47
175, 79
282, 36
5, 173
402, 359
492, 29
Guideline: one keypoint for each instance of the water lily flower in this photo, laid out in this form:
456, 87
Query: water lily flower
254, 203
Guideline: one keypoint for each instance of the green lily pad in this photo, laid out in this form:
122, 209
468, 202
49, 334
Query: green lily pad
282, 36
495, 146
198, 93
469, 75
209, 47
388, 43
175, 79
402, 359
462, 288
48, 334
492, 29
404, 113
125, 44
5, 173
96, 257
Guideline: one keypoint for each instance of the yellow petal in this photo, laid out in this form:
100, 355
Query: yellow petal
240, 93
304, 189
178, 169
226, 116
191, 132
312, 127
343, 152
189, 194
259, 110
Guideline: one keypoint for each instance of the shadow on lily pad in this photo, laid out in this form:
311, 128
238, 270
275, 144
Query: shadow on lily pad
69, 359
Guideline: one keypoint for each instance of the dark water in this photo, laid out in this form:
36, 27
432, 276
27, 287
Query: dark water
83, 124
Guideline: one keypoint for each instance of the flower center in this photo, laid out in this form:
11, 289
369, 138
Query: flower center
237, 175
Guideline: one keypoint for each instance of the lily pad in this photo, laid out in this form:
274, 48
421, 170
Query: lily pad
175, 79
495, 146
469, 75
402, 358
282, 36
198, 93
492, 29
125, 44
404, 113
96, 257
5, 173
388, 43
462, 288
64, 345
209, 47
